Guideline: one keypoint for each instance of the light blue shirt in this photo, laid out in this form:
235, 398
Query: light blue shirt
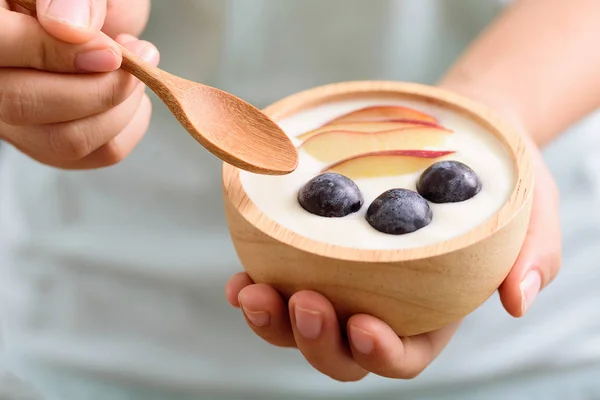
117, 275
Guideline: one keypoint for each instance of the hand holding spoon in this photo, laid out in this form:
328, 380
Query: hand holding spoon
233, 130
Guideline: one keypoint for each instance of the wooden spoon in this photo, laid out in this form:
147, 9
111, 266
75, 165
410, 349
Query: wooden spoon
233, 130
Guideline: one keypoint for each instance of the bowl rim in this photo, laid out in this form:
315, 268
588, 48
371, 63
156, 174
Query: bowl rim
512, 140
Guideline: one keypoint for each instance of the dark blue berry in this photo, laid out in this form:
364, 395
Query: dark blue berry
399, 211
330, 195
448, 182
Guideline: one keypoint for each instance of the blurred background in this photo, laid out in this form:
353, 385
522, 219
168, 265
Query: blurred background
91, 249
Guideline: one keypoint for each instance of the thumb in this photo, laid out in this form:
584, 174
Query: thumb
45, 52
72, 21
540, 258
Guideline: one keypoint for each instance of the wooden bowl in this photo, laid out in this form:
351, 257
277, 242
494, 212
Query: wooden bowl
413, 290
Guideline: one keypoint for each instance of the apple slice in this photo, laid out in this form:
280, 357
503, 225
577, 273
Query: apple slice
386, 163
365, 126
385, 113
337, 145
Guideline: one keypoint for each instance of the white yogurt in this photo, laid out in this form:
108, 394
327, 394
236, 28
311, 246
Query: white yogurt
276, 196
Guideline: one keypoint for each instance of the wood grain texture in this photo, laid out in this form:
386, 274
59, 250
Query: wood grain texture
29, 5
233, 130
230, 128
413, 290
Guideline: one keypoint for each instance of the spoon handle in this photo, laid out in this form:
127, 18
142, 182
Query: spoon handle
159, 81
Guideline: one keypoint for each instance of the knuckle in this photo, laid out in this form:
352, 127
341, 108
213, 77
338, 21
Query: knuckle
337, 369
409, 374
43, 55
39, 50
112, 154
335, 372
15, 105
553, 266
401, 370
346, 378
68, 141
272, 335
112, 90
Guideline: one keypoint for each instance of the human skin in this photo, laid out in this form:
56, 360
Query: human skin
537, 66
527, 66
63, 100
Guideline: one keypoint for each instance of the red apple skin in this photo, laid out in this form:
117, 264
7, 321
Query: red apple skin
386, 113
412, 121
386, 163
373, 126
390, 120
331, 146
406, 153
349, 132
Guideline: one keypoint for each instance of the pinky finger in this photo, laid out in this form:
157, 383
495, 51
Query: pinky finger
120, 146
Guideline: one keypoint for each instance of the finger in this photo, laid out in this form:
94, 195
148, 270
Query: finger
539, 260
317, 333
129, 16
72, 21
44, 52
72, 141
29, 97
266, 314
235, 285
378, 349
121, 16
121, 146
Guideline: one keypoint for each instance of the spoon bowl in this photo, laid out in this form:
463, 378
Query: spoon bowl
233, 130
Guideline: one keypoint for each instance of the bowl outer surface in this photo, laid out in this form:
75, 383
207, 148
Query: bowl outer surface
413, 290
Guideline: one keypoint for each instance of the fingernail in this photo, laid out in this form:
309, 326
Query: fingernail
76, 13
148, 53
361, 340
125, 38
97, 61
257, 318
530, 287
308, 322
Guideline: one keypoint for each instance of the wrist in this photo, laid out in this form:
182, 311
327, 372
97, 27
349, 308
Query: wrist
492, 99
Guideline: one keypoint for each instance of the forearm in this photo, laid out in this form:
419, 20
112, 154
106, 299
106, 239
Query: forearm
537, 64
